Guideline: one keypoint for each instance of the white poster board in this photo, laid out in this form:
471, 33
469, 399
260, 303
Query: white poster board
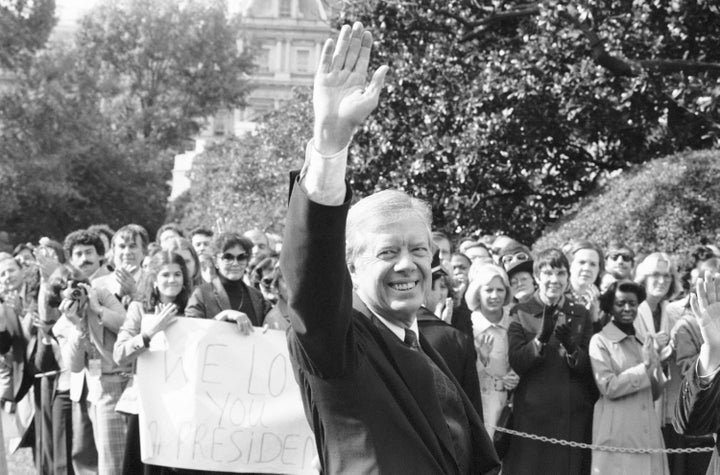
213, 399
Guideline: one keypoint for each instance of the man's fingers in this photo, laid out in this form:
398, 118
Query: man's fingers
354, 46
376, 83
702, 299
711, 288
343, 43
326, 57
363, 60
695, 306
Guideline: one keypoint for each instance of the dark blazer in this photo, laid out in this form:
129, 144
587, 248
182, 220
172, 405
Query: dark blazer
16, 344
697, 411
368, 398
556, 394
209, 299
458, 351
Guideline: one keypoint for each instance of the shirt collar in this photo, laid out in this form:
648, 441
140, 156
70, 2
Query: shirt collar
398, 330
481, 323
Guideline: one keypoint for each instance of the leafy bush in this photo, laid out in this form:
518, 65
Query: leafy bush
669, 204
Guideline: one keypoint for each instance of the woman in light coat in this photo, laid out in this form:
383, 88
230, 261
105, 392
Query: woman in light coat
657, 273
487, 296
629, 376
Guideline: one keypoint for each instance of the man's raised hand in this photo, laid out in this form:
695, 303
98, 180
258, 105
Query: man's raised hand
342, 99
706, 307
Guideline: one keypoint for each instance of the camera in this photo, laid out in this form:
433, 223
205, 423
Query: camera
74, 291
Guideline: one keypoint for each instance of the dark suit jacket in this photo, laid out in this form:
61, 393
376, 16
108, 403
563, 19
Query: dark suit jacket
368, 398
697, 411
209, 299
458, 351
16, 342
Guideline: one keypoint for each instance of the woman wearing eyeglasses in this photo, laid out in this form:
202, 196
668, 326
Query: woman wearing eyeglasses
227, 297
586, 267
658, 274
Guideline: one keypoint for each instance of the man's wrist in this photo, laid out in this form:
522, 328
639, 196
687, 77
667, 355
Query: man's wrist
330, 140
708, 362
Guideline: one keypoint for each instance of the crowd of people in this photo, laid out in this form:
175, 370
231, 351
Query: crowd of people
409, 346
72, 325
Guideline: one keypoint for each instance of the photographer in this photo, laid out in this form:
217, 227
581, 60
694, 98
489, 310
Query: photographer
79, 326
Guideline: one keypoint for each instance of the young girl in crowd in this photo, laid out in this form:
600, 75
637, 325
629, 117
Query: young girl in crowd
163, 302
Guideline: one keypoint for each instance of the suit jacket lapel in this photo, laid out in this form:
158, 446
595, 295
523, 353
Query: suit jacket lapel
221, 297
417, 375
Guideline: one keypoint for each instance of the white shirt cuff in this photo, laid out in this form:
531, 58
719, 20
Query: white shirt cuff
323, 176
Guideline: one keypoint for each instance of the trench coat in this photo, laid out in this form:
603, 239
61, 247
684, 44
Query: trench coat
555, 395
624, 415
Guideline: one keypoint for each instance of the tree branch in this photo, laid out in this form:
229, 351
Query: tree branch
480, 26
624, 67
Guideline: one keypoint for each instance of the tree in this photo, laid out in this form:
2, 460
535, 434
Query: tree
164, 66
25, 26
668, 204
504, 114
61, 167
245, 180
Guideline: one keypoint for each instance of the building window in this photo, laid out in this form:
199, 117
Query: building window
302, 60
285, 9
263, 60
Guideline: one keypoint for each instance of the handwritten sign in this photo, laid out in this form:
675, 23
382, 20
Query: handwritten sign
214, 399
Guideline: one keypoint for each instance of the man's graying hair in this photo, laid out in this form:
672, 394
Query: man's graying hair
384, 207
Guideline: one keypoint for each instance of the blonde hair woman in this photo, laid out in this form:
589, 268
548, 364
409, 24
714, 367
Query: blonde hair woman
658, 274
487, 296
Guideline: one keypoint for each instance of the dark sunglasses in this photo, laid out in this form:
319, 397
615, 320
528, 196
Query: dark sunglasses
624, 257
227, 257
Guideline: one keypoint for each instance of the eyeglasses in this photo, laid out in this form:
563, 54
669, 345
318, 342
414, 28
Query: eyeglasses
520, 256
624, 257
228, 257
520, 280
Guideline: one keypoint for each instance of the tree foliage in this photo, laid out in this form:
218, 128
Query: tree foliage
245, 180
504, 114
668, 204
61, 168
164, 66
25, 26
88, 129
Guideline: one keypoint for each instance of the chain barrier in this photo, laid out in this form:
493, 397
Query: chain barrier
601, 448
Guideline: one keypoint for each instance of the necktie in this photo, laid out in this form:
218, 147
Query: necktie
451, 406
411, 340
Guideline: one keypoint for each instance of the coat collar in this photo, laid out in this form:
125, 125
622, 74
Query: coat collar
644, 323
480, 323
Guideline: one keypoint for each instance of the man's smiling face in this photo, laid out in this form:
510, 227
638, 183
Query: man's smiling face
393, 271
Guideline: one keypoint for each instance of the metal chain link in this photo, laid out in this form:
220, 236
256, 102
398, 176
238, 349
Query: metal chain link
601, 448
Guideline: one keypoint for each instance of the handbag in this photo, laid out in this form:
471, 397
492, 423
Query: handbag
501, 440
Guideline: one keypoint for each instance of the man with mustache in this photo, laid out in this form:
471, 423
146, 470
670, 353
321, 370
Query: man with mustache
98, 431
